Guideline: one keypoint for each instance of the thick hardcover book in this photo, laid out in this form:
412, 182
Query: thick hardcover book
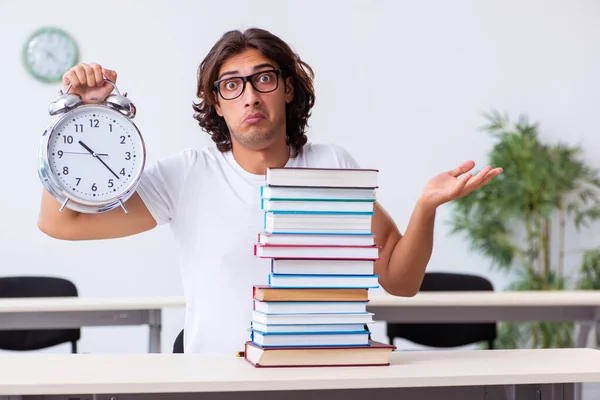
375, 354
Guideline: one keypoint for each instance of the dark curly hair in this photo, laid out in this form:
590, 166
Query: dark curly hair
272, 47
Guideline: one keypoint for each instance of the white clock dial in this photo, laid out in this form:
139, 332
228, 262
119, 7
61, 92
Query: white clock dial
96, 154
49, 53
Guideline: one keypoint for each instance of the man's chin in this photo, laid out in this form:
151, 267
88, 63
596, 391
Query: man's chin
256, 140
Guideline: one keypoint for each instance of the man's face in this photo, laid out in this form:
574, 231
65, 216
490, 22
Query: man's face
255, 119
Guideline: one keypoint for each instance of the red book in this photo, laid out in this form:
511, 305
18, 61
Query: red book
375, 354
317, 252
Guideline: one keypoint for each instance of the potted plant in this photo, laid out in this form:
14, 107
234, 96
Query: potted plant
511, 220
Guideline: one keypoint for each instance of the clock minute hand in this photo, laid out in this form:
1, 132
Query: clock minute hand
85, 154
98, 157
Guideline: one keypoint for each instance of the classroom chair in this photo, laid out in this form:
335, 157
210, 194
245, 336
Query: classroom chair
34, 339
447, 334
178, 344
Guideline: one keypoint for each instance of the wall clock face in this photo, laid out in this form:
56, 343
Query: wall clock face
48, 53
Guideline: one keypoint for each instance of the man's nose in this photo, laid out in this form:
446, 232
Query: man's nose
251, 96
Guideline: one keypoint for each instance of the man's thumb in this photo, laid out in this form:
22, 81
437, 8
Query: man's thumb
109, 74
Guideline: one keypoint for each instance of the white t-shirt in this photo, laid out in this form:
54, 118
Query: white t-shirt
213, 207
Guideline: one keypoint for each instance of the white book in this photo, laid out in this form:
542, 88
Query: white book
323, 177
322, 267
327, 339
323, 206
317, 223
332, 252
314, 193
257, 326
324, 281
317, 240
311, 319
310, 307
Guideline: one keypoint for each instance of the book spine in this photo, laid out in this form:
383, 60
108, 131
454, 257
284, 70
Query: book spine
368, 213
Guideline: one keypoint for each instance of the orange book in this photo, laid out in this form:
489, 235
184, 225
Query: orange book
267, 293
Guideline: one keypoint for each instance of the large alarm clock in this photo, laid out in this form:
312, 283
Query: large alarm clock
91, 156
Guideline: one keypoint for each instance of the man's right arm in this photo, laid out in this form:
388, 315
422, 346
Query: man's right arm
72, 225
88, 82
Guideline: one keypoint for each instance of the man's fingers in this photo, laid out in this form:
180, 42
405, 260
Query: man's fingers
97, 74
477, 183
493, 173
462, 168
461, 183
80, 73
110, 74
70, 78
90, 76
479, 178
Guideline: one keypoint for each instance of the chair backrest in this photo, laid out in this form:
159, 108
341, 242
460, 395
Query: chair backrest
447, 281
37, 286
178, 343
447, 334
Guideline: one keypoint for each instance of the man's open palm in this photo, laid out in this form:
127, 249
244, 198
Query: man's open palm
450, 185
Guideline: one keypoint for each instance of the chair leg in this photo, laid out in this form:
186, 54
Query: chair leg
73, 347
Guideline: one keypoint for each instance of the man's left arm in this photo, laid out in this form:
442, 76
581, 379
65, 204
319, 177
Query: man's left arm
404, 258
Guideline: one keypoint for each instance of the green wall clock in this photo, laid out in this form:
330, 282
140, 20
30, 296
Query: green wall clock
48, 53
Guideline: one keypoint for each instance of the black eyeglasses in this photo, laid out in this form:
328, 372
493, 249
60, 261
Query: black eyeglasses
232, 87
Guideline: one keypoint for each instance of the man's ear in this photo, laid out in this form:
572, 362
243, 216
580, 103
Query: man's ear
289, 89
217, 106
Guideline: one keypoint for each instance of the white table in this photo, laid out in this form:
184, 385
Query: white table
466, 375
76, 312
575, 306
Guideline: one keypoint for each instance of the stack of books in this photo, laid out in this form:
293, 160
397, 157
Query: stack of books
317, 234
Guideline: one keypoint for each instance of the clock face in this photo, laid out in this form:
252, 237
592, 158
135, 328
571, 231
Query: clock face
95, 153
49, 53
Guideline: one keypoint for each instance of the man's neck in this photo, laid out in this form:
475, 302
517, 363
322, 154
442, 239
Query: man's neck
257, 161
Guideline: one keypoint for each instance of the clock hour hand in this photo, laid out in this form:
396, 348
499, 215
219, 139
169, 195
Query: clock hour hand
98, 157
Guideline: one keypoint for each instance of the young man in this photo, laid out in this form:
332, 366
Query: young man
255, 99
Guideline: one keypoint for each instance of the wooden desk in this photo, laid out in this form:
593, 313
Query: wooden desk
465, 375
575, 306
75, 312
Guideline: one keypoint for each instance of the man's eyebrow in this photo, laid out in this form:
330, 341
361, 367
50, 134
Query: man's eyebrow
260, 66
255, 68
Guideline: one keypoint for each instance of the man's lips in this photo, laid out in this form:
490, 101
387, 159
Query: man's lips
254, 118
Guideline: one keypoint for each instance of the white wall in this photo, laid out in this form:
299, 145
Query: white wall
400, 84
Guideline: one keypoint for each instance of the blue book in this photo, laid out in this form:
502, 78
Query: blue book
316, 193
360, 338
